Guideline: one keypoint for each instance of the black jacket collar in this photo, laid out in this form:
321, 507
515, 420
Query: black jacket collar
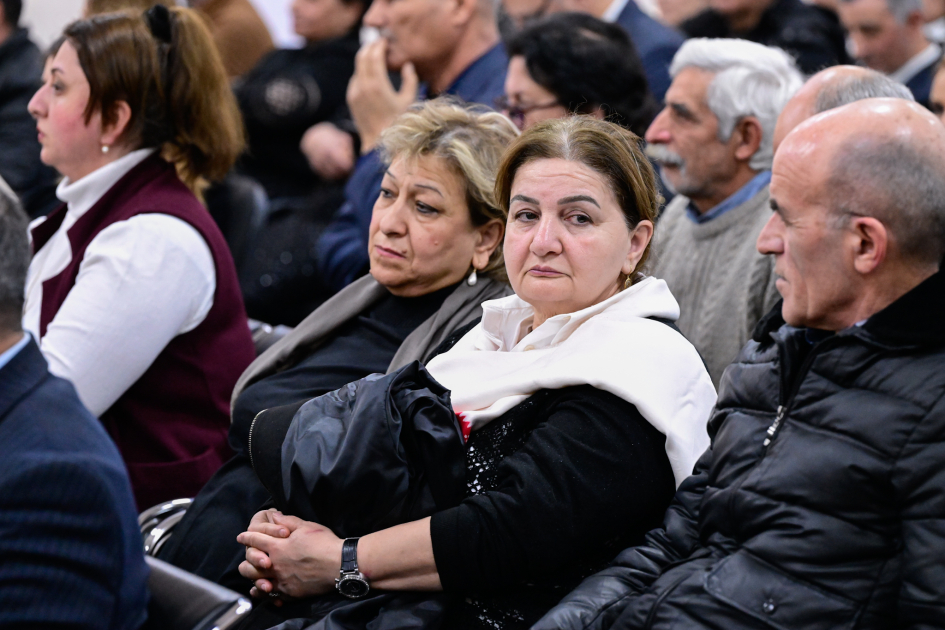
917, 318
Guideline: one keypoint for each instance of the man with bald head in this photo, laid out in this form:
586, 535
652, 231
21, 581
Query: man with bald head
821, 501
834, 87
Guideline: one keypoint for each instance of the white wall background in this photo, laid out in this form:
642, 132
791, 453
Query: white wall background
47, 18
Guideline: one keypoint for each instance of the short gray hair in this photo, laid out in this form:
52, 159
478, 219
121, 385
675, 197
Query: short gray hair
900, 9
903, 187
851, 88
14, 261
750, 80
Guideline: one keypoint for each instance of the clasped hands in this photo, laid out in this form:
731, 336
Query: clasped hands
374, 105
290, 556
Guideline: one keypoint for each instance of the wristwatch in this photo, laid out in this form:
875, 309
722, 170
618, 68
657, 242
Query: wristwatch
351, 582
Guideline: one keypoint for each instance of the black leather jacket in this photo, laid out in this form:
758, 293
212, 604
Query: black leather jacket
821, 502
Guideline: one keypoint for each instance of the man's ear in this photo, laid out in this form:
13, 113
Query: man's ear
747, 137
112, 131
870, 241
463, 11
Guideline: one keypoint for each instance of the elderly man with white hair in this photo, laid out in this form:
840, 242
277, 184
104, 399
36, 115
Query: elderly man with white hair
713, 142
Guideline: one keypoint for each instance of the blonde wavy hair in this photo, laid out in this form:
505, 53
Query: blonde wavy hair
471, 140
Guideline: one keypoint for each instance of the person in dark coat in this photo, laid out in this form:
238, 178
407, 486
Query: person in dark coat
21, 69
581, 404
291, 90
70, 548
821, 501
810, 34
888, 36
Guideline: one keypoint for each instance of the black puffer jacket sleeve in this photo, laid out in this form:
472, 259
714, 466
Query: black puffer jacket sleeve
600, 599
919, 479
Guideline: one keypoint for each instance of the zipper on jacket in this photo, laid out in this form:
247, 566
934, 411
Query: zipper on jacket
249, 442
788, 401
774, 426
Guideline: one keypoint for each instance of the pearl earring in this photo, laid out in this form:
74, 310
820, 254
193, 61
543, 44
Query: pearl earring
104, 148
473, 278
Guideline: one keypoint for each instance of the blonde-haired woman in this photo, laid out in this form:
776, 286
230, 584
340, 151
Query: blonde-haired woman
583, 405
132, 293
435, 257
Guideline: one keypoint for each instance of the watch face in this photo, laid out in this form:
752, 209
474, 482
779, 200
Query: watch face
353, 586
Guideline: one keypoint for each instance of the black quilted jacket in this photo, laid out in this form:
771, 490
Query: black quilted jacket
821, 502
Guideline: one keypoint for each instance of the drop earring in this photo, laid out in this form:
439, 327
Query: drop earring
104, 148
473, 278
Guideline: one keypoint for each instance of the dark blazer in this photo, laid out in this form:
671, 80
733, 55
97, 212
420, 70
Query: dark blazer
921, 83
656, 43
70, 550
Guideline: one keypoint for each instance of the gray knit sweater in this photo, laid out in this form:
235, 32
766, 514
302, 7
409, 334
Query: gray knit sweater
723, 285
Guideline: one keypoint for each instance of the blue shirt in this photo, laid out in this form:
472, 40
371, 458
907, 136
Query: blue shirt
11, 352
342, 247
743, 194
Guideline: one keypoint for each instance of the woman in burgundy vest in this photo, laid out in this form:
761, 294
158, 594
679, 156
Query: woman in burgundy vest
132, 292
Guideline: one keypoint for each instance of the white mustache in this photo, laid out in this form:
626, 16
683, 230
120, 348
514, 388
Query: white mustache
664, 156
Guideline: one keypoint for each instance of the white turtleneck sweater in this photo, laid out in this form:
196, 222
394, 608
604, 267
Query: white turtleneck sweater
141, 283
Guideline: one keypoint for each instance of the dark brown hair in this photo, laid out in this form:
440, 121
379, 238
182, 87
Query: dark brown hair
174, 83
606, 148
96, 7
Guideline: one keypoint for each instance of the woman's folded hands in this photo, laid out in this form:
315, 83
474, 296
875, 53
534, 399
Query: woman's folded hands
286, 555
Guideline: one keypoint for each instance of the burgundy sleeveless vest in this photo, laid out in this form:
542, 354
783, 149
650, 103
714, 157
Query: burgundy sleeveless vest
171, 425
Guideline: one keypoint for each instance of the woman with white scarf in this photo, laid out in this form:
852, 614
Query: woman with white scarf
583, 407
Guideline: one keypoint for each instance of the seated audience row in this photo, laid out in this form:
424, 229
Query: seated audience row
581, 409
435, 257
583, 406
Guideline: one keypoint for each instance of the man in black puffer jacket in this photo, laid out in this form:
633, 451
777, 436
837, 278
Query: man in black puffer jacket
821, 502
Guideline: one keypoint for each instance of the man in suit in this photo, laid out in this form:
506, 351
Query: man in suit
70, 550
887, 36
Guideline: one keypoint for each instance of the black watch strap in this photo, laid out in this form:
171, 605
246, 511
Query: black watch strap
349, 555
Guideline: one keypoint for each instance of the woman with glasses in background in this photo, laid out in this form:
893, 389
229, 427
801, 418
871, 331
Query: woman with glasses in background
573, 63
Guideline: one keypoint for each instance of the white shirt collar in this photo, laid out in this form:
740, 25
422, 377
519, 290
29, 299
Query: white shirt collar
81, 195
614, 10
927, 57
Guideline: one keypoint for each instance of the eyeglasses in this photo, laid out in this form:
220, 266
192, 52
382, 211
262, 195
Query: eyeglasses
517, 113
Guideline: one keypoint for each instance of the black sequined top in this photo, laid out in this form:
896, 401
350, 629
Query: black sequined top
556, 487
